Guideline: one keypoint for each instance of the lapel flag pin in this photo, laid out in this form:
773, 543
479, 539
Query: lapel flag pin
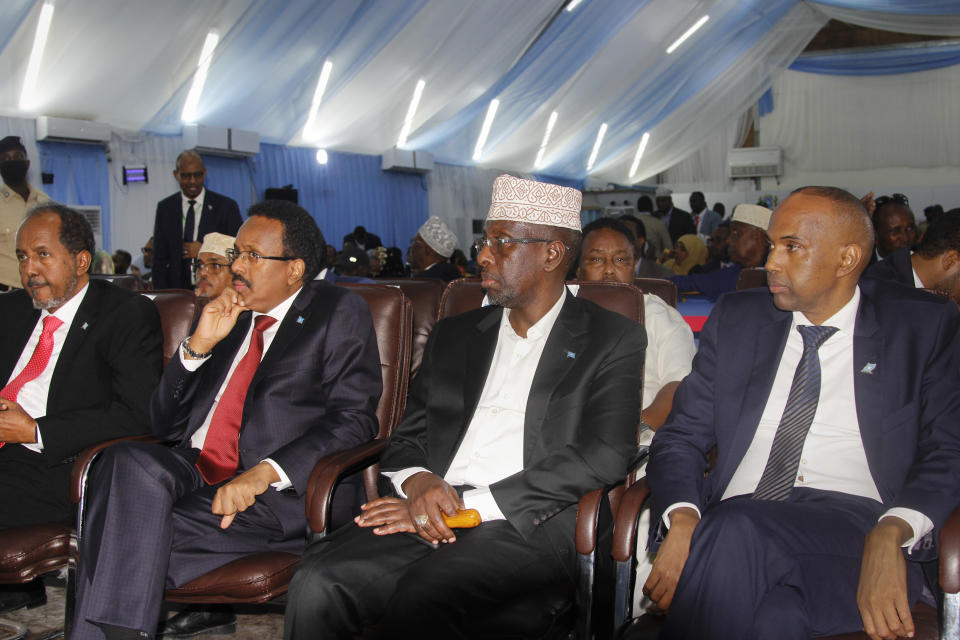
84, 327
571, 355
299, 319
869, 368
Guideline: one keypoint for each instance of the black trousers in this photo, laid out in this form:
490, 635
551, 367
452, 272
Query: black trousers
33, 494
355, 577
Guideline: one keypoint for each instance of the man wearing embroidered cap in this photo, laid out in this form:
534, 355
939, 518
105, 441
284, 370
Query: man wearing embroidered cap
212, 267
518, 410
431, 249
16, 197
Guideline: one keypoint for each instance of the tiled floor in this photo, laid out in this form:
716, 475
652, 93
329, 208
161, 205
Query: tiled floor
255, 622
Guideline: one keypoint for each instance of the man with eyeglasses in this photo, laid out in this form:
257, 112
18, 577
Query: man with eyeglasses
894, 224
518, 410
280, 371
212, 267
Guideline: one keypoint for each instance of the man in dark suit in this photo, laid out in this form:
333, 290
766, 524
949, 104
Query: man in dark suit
78, 362
832, 407
183, 220
517, 411
362, 239
247, 431
679, 222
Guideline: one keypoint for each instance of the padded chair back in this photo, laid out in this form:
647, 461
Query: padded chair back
424, 294
178, 308
124, 281
752, 278
665, 289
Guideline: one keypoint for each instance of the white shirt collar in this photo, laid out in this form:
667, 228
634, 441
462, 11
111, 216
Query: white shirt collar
185, 201
68, 309
844, 320
541, 327
280, 311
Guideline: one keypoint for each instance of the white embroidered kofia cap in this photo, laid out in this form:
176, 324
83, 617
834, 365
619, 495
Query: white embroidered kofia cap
519, 200
438, 236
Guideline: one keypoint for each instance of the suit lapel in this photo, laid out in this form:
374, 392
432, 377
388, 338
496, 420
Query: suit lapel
290, 328
88, 313
869, 373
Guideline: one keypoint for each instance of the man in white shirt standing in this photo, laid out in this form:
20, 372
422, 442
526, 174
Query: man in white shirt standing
832, 406
519, 409
78, 362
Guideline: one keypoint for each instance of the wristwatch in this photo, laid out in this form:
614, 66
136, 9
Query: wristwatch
193, 354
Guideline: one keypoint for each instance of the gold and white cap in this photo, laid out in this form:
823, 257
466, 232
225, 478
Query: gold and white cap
519, 200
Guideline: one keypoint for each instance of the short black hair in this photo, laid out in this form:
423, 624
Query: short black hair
75, 232
644, 203
614, 225
641, 228
942, 235
302, 237
188, 153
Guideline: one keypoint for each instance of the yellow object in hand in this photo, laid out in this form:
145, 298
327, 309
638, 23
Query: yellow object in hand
465, 519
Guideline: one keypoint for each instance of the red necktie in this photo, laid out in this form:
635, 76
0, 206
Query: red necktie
38, 361
218, 460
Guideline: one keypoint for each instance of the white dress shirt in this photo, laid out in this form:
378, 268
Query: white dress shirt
492, 447
670, 347
197, 210
833, 457
33, 395
200, 435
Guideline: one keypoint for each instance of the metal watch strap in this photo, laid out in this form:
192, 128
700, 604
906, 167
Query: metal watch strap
193, 354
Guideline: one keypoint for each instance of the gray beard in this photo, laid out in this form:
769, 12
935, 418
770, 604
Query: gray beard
56, 303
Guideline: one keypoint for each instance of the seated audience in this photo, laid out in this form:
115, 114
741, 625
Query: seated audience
747, 246
935, 265
688, 253
704, 219
893, 224
540, 367
679, 223
376, 257
658, 237
718, 251
142, 265
278, 372
353, 263
102, 264
362, 239
832, 406
211, 269
78, 362
930, 215
393, 266
331, 254
121, 261
647, 267
430, 251
720, 208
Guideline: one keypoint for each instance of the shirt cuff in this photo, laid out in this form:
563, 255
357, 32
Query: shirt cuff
35, 446
188, 363
483, 501
284, 478
919, 523
399, 477
674, 507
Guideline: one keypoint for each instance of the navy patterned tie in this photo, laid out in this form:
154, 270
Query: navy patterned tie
781, 470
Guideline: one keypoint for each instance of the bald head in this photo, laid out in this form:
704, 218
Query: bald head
848, 218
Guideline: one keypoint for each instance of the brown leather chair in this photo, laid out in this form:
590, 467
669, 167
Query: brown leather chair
424, 294
178, 309
665, 289
752, 278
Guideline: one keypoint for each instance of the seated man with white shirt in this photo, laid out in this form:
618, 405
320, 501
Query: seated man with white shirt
832, 406
78, 362
519, 409
279, 372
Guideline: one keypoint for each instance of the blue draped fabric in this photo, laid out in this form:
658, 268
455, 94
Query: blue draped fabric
902, 59
765, 104
913, 7
80, 176
563, 182
232, 177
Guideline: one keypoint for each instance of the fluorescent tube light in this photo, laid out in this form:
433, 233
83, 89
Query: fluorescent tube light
573, 4
28, 95
546, 140
686, 34
321, 156
189, 113
596, 146
308, 129
485, 130
411, 111
640, 149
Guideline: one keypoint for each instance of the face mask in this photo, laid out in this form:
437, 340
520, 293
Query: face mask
14, 171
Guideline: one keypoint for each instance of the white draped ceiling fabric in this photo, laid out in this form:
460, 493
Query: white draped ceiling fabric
130, 63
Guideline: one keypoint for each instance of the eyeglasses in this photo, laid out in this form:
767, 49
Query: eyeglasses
250, 257
213, 268
898, 198
496, 244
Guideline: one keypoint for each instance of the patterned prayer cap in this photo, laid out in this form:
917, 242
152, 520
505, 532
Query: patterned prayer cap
752, 214
438, 236
519, 200
217, 243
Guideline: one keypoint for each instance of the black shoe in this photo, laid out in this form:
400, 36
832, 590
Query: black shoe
18, 596
194, 621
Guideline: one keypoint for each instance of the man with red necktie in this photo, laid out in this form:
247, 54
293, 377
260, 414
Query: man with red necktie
78, 361
279, 371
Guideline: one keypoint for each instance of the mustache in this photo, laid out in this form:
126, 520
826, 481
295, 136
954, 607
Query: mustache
238, 278
36, 282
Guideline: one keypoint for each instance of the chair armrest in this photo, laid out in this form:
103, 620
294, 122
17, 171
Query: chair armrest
78, 474
588, 510
328, 471
950, 554
625, 521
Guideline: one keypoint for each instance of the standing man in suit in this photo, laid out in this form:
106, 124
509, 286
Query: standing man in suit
183, 220
518, 410
279, 372
16, 197
832, 406
430, 251
78, 362
679, 223
704, 219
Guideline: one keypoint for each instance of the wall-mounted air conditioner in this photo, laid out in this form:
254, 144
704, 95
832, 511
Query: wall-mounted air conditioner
755, 162
221, 141
406, 161
70, 130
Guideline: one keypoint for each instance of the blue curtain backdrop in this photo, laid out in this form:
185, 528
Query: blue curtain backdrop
914, 7
902, 59
80, 176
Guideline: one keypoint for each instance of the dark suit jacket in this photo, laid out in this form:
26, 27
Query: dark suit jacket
442, 271
372, 241
896, 267
220, 214
907, 408
314, 393
580, 430
107, 369
652, 269
681, 223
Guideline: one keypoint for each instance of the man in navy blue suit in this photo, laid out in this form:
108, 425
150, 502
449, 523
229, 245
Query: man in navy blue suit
182, 221
832, 406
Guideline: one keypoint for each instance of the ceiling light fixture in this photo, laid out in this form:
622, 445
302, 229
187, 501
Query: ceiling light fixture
640, 149
596, 146
485, 129
686, 34
411, 111
308, 128
322, 156
573, 4
28, 92
189, 113
546, 140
